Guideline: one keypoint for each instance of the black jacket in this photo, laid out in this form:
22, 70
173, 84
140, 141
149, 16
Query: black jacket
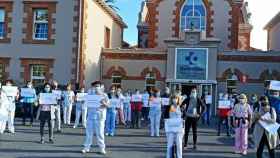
200, 106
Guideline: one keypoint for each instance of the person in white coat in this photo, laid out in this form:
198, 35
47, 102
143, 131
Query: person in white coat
11, 108
57, 107
175, 137
96, 118
81, 109
155, 112
4, 103
68, 100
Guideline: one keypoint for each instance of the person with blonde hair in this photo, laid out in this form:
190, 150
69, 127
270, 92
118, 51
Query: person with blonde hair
242, 114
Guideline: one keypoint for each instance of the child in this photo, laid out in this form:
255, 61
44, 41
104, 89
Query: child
68, 100
242, 115
46, 114
177, 137
80, 109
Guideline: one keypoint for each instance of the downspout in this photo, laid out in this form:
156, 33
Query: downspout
80, 43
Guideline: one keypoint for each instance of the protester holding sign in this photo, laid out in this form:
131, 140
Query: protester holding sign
68, 100
81, 108
224, 109
28, 98
12, 94
263, 137
175, 137
97, 102
112, 111
136, 108
155, 112
57, 107
4, 103
46, 112
242, 116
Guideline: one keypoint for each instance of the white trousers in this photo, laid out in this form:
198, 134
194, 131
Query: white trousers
80, 112
174, 138
2, 126
95, 124
57, 115
67, 110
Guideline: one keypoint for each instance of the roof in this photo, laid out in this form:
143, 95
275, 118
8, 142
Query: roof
111, 12
275, 20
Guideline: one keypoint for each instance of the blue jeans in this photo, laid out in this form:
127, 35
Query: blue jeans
111, 120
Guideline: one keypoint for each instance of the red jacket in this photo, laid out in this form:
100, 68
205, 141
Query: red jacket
136, 106
224, 112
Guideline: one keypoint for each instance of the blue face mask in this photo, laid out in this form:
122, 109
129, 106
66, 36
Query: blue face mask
47, 89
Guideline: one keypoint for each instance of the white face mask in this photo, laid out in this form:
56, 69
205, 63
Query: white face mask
29, 86
242, 101
47, 89
174, 101
8, 84
98, 90
157, 94
193, 94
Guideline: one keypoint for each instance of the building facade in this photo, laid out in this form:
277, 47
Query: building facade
41, 40
192, 43
273, 33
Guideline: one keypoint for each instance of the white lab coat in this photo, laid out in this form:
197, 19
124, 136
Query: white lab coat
95, 124
4, 103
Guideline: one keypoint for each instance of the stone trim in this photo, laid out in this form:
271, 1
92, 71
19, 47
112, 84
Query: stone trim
134, 56
27, 62
244, 58
6, 62
29, 6
8, 7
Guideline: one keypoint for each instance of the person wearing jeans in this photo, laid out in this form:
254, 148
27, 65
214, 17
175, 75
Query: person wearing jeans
193, 108
126, 108
57, 107
155, 112
68, 100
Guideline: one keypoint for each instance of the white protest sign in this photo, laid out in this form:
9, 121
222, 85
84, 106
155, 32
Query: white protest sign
165, 101
27, 92
81, 96
208, 99
224, 104
57, 93
175, 125
10, 91
272, 128
93, 101
136, 98
47, 99
274, 85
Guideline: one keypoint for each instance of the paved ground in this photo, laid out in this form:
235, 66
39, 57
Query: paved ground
128, 143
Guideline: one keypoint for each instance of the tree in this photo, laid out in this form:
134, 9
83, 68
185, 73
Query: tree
112, 4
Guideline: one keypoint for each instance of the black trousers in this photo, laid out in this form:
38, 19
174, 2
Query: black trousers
50, 126
145, 113
221, 120
191, 122
264, 142
27, 112
136, 119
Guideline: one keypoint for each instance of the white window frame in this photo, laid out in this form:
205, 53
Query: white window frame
151, 76
201, 28
116, 76
4, 14
39, 22
36, 77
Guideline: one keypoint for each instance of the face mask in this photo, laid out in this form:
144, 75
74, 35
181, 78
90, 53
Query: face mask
98, 90
137, 93
157, 94
8, 84
47, 89
82, 91
29, 86
193, 94
243, 101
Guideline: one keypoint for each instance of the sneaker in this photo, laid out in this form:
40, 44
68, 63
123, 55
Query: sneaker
51, 141
42, 141
244, 153
106, 134
194, 147
85, 151
102, 151
112, 134
74, 127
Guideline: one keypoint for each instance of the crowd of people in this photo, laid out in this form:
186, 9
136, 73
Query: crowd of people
101, 112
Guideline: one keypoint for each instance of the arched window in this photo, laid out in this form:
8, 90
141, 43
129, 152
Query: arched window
116, 79
193, 15
150, 80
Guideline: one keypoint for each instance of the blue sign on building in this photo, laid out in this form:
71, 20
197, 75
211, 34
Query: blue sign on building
191, 63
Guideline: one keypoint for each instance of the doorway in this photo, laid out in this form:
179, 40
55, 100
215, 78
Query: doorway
186, 89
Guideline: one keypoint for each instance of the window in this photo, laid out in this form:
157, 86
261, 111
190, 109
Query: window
193, 15
150, 80
2, 72
116, 80
107, 37
38, 74
2, 23
41, 24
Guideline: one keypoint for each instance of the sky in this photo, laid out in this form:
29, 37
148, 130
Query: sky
262, 12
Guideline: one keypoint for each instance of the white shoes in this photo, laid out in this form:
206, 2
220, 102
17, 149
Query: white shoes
102, 151
74, 127
85, 151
